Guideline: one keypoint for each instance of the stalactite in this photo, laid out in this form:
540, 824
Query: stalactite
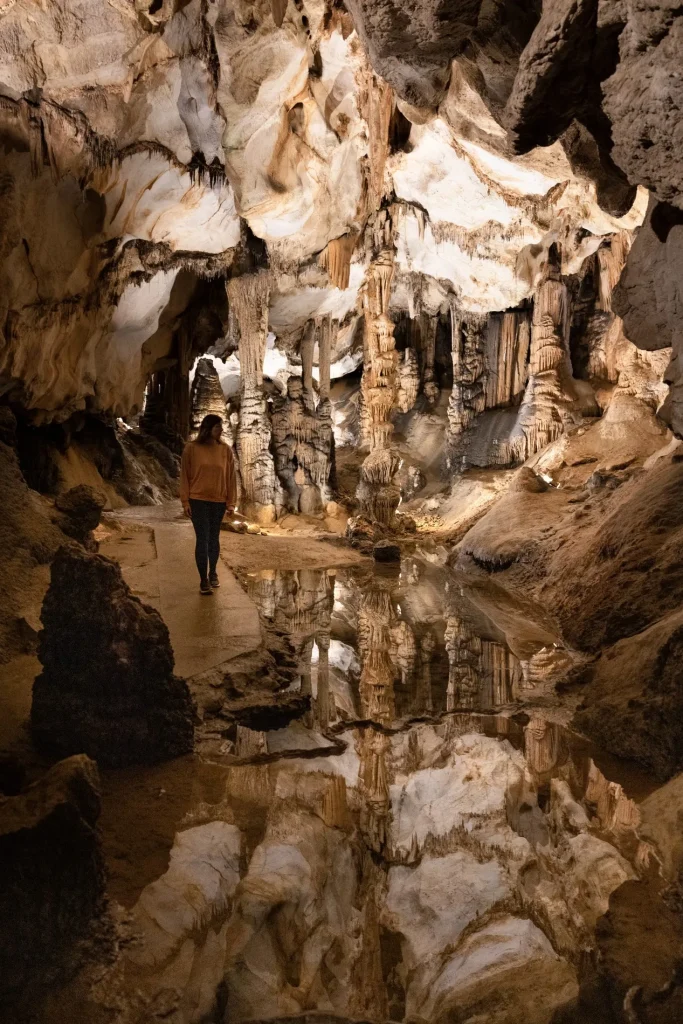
506, 357
336, 259
248, 296
279, 9
376, 102
610, 260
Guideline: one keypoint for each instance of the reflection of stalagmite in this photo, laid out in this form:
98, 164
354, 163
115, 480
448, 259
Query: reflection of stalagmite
299, 604
376, 617
248, 296
481, 673
464, 664
544, 746
615, 810
378, 496
323, 711
423, 695
403, 649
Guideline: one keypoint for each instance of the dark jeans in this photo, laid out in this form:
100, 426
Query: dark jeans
207, 517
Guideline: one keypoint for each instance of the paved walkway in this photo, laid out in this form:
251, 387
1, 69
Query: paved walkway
158, 565
205, 631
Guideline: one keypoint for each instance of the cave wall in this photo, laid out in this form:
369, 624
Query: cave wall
152, 157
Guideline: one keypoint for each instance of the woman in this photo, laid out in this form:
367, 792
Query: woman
207, 487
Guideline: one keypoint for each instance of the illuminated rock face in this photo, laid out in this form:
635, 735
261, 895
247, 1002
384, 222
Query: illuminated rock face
153, 153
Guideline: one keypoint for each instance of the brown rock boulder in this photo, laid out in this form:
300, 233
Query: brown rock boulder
107, 687
52, 884
80, 508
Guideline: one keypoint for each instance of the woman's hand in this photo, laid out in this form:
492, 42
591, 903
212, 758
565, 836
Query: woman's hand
187, 511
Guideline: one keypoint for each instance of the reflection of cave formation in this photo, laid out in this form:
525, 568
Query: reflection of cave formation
299, 604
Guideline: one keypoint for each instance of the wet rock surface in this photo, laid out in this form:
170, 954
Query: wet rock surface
413, 835
107, 686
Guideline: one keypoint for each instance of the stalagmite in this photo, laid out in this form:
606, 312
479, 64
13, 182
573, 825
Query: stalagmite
378, 496
207, 395
546, 408
468, 397
408, 381
302, 441
326, 329
430, 388
248, 296
611, 260
307, 346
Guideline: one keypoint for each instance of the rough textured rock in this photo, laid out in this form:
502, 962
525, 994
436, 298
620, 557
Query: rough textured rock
81, 509
53, 878
631, 704
107, 687
28, 540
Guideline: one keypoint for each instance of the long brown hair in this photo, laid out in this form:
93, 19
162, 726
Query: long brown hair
206, 426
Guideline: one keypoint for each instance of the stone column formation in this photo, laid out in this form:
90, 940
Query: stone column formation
248, 296
546, 408
302, 431
377, 495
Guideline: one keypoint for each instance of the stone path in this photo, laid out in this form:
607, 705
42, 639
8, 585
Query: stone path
205, 631
159, 568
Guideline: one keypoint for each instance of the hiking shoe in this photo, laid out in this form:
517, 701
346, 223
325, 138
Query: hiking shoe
205, 588
213, 580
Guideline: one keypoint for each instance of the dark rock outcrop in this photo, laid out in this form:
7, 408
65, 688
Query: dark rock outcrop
386, 551
52, 884
81, 508
107, 686
633, 704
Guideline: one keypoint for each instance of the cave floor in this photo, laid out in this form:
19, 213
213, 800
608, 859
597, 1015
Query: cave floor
427, 805
421, 837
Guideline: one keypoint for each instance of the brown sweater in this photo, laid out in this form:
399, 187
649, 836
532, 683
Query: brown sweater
207, 473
